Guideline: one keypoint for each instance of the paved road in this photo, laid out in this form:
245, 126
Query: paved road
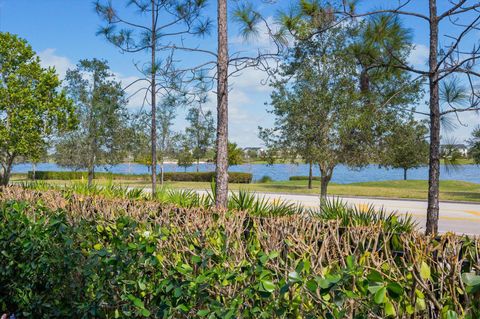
462, 218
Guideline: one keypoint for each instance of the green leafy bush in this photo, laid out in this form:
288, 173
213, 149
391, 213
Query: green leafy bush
304, 178
265, 179
93, 257
38, 259
233, 177
55, 175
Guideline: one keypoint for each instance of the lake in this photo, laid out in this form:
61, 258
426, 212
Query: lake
281, 172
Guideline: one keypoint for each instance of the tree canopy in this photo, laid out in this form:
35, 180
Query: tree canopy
103, 134
201, 132
475, 145
32, 105
331, 106
184, 155
406, 146
235, 154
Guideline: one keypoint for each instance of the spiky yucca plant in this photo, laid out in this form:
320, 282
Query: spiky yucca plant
354, 216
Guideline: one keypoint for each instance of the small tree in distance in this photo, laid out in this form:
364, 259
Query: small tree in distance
406, 147
102, 136
235, 154
166, 111
474, 144
200, 133
184, 157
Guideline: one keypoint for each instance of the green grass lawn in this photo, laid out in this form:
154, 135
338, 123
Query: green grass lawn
449, 190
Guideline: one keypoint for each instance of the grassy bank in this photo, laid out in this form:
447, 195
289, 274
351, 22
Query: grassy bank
449, 190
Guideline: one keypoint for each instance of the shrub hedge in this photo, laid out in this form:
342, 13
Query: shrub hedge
83, 257
304, 178
233, 177
55, 175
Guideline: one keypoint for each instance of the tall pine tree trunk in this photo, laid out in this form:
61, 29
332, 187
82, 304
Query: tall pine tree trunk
153, 132
310, 175
221, 186
434, 160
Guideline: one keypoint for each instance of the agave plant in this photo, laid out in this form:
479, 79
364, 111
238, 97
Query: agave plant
37, 185
281, 207
82, 188
261, 206
354, 216
242, 200
135, 193
183, 198
208, 200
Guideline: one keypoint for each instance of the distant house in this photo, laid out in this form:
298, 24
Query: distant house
461, 148
249, 151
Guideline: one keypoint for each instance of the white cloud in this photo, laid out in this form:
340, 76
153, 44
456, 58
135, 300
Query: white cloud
253, 80
48, 58
419, 56
246, 98
465, 124
134, 90
246, 107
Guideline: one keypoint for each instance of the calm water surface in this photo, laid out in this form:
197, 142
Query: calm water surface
280, 172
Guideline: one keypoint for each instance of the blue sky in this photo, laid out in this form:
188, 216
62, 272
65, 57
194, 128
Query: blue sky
63, 32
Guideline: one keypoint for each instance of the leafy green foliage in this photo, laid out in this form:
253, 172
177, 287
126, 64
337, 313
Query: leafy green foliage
201, 132
38, 259
233, 177
185, 158
303, 178
265, 179
68, 175
118, 259
322, 113
405, 146
103, 135
475, 145
32, 108
235, 154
